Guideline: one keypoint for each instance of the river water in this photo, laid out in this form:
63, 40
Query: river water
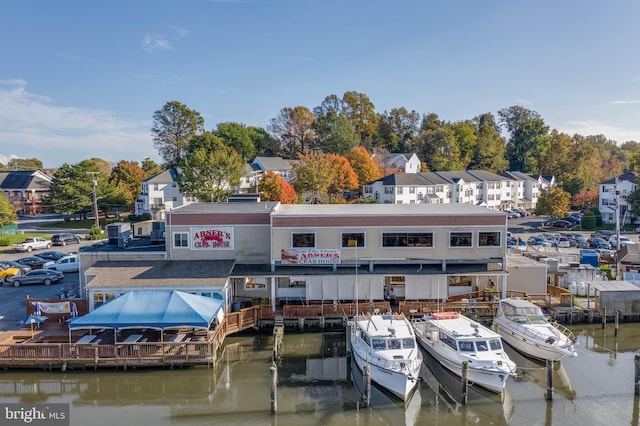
318, 386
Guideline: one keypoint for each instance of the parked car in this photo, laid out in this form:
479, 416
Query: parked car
561, 223
563, 243
39, 276
50, 255
34, 262
7, 272
623, 241
64, 239
65, 264
599, 243
23, 268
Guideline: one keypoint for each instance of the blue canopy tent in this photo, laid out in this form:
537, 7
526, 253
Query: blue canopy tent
158, 309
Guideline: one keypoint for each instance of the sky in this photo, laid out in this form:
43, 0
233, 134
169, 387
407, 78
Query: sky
82, 79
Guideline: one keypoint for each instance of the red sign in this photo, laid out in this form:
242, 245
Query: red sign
214, 238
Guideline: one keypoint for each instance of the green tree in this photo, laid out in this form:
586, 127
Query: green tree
24, 164
210, 175
207, 141
71, 189
173, 126
313, 176
150, 167
334, 133
264, 143
489, 153
397, 129
529, 142
238, 137
7, 213
437, 145
633, 200
553, 203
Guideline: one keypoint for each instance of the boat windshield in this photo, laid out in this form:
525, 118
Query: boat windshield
378, 344
524, 315
408, 343
495, 344
466, 346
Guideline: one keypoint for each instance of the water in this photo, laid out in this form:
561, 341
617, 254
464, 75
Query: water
317, 386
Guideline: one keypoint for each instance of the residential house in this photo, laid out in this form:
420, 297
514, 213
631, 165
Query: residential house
159, 194
25, 190
475, 187
399, 162
613, 191
276, 165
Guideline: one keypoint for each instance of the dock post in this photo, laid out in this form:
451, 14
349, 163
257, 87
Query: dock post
274, 388
465, 381
604, 317
301, 324
348, 337
366, 398
549, 395
617, 323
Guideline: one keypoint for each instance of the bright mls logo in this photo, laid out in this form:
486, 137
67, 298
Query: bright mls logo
34, 414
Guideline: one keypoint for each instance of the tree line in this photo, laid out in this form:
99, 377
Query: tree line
332, 144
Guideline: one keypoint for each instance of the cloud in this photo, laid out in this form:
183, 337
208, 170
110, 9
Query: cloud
73, 58
624, 102
180, 32
594, 128
33, 125
14, 82
152, 42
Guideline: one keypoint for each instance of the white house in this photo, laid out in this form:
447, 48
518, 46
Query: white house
400, 162
160, 193
619, 187
276, 165
475, 187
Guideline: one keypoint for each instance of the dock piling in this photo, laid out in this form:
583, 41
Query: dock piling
465, 381
549, 394
636, 363
366, 398
274, 388
604, 318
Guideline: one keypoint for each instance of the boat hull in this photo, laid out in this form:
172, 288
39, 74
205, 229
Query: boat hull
536, 348
402, 385
490, 380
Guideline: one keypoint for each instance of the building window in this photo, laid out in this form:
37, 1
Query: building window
403, 239
489, 239
303, 240
388, 189
460, 239
181, 240
352, 240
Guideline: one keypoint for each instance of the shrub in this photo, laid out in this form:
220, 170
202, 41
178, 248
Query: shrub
5, 242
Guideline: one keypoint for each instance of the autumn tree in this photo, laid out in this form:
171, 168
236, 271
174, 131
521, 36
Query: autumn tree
210, 175
361, 112
173, 126
344, 178
312, 175
365, 167
585, 199
128, 176
553, 203
274, 187
295, 128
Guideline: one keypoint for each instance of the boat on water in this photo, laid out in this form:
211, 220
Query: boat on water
453, 339
523, 326
386, 345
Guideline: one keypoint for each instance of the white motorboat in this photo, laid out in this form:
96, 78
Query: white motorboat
453, 339
522, 324
386, 344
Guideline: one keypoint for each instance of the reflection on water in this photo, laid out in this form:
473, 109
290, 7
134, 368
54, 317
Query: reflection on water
317, 385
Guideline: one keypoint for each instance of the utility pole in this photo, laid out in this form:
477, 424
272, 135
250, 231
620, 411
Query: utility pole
95, 197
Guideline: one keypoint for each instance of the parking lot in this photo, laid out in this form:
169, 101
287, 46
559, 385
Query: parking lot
13, 299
